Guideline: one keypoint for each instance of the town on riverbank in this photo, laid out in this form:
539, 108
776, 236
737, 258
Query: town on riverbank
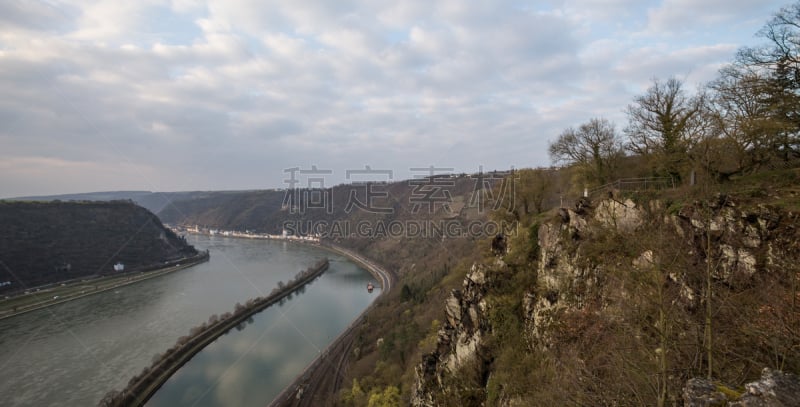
248, 234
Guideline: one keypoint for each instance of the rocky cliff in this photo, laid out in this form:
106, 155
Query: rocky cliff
459, 341
627, 301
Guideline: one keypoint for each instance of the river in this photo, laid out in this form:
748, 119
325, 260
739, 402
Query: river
73, 353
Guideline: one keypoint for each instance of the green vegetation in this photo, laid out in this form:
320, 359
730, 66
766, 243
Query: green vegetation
731, 394
400, 329
390, 397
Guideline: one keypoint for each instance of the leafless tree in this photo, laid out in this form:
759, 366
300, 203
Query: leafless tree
664, 123
782, 51
594, 145
744, 122
779, 62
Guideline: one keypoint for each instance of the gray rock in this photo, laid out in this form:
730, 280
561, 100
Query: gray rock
701, 392
774, 389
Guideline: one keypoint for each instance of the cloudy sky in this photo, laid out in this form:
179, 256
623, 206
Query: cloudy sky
226, 94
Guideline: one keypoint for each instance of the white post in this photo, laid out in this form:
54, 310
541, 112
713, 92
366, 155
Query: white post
585, 192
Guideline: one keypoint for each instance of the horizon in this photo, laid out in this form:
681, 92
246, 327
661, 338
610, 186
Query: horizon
278, 189
226, 96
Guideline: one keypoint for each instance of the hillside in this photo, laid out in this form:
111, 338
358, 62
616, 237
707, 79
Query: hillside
48, 242
567, 298
422, 214
626, 298
152, 201
440, 249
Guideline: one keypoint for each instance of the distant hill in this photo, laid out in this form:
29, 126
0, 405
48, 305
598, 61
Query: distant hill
256, 210
87, 196
48, 242
446, 197
153, 201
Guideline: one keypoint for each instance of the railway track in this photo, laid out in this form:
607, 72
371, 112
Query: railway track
321, 380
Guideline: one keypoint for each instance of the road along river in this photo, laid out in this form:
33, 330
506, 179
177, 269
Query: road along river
72, 353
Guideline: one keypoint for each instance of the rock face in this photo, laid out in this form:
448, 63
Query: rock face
624, 216
573, 280
739, 237
774, 389
702, 393
743, 242
460, 338
564, 281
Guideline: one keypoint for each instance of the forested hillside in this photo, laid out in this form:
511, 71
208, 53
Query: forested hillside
48, 242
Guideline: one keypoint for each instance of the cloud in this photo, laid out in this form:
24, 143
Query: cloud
226, 94
694, 65
688, 16
35, 173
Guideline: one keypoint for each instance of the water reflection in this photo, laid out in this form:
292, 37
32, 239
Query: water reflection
71, 354
249, 367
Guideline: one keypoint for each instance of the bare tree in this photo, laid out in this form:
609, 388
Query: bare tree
779, 62
533, 187
743, 118
782, 51
594, 146
664, 123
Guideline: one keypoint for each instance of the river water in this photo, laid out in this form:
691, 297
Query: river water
73, 353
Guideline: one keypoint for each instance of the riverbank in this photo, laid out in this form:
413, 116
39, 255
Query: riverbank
59, 294
321, 380
196, 230
143, 386
385, 277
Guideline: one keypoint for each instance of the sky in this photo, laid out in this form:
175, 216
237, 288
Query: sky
176, 95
